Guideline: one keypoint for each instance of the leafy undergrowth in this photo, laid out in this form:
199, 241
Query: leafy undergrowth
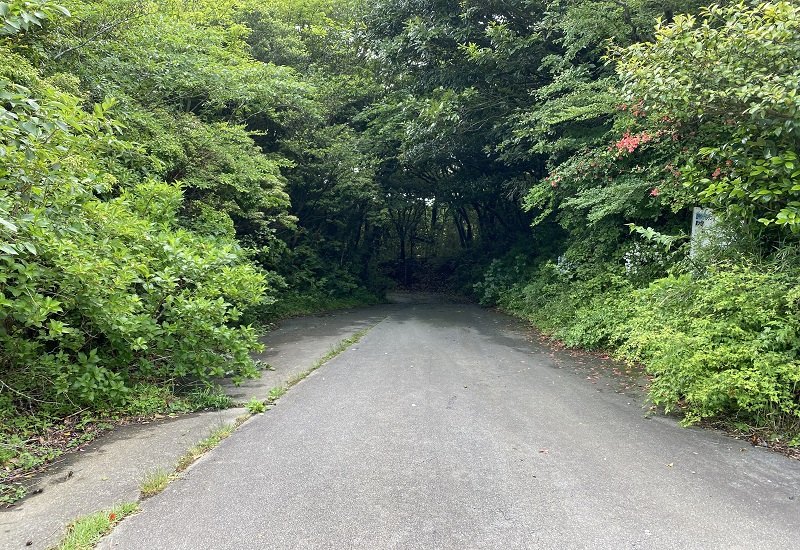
720, 346
31, 440
607, 372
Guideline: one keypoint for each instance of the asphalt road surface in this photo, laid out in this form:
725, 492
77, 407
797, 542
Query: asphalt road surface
445, 428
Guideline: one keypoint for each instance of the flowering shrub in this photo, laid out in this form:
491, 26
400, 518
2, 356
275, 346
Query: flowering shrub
632, 177
727, 73
630, 142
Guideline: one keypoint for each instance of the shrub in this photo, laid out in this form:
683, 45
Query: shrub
723, 344
99, 287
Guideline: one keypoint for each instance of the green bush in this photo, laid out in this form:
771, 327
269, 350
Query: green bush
721, 342
725, 344
99, 287
583, 306
501, 275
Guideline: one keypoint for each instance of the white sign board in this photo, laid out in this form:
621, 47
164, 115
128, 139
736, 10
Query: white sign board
703, 220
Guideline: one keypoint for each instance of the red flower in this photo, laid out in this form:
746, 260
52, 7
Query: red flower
631, 142
654, 193
112, 516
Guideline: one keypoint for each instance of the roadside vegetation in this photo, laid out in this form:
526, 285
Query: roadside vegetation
709, 118
154, 482
85, 532
146, 154
175, 176
214, 438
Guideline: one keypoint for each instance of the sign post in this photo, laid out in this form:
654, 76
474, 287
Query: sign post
703, 220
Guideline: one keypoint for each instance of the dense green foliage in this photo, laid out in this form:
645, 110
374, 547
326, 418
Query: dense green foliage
705, 115
173, 174
721, 345
105, 286
145, 155
731, 75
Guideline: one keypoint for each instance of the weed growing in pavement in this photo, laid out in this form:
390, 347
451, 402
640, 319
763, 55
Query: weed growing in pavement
206, 445
154, 482
85, 532
276, 393
255, 406
339, 348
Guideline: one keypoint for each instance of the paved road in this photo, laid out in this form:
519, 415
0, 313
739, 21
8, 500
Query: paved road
445, 428
109, 470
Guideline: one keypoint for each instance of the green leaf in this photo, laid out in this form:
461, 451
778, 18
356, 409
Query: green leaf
8, 225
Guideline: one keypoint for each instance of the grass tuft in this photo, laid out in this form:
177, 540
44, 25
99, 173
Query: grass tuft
154, 482
339, 348
206, 445
85, 532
